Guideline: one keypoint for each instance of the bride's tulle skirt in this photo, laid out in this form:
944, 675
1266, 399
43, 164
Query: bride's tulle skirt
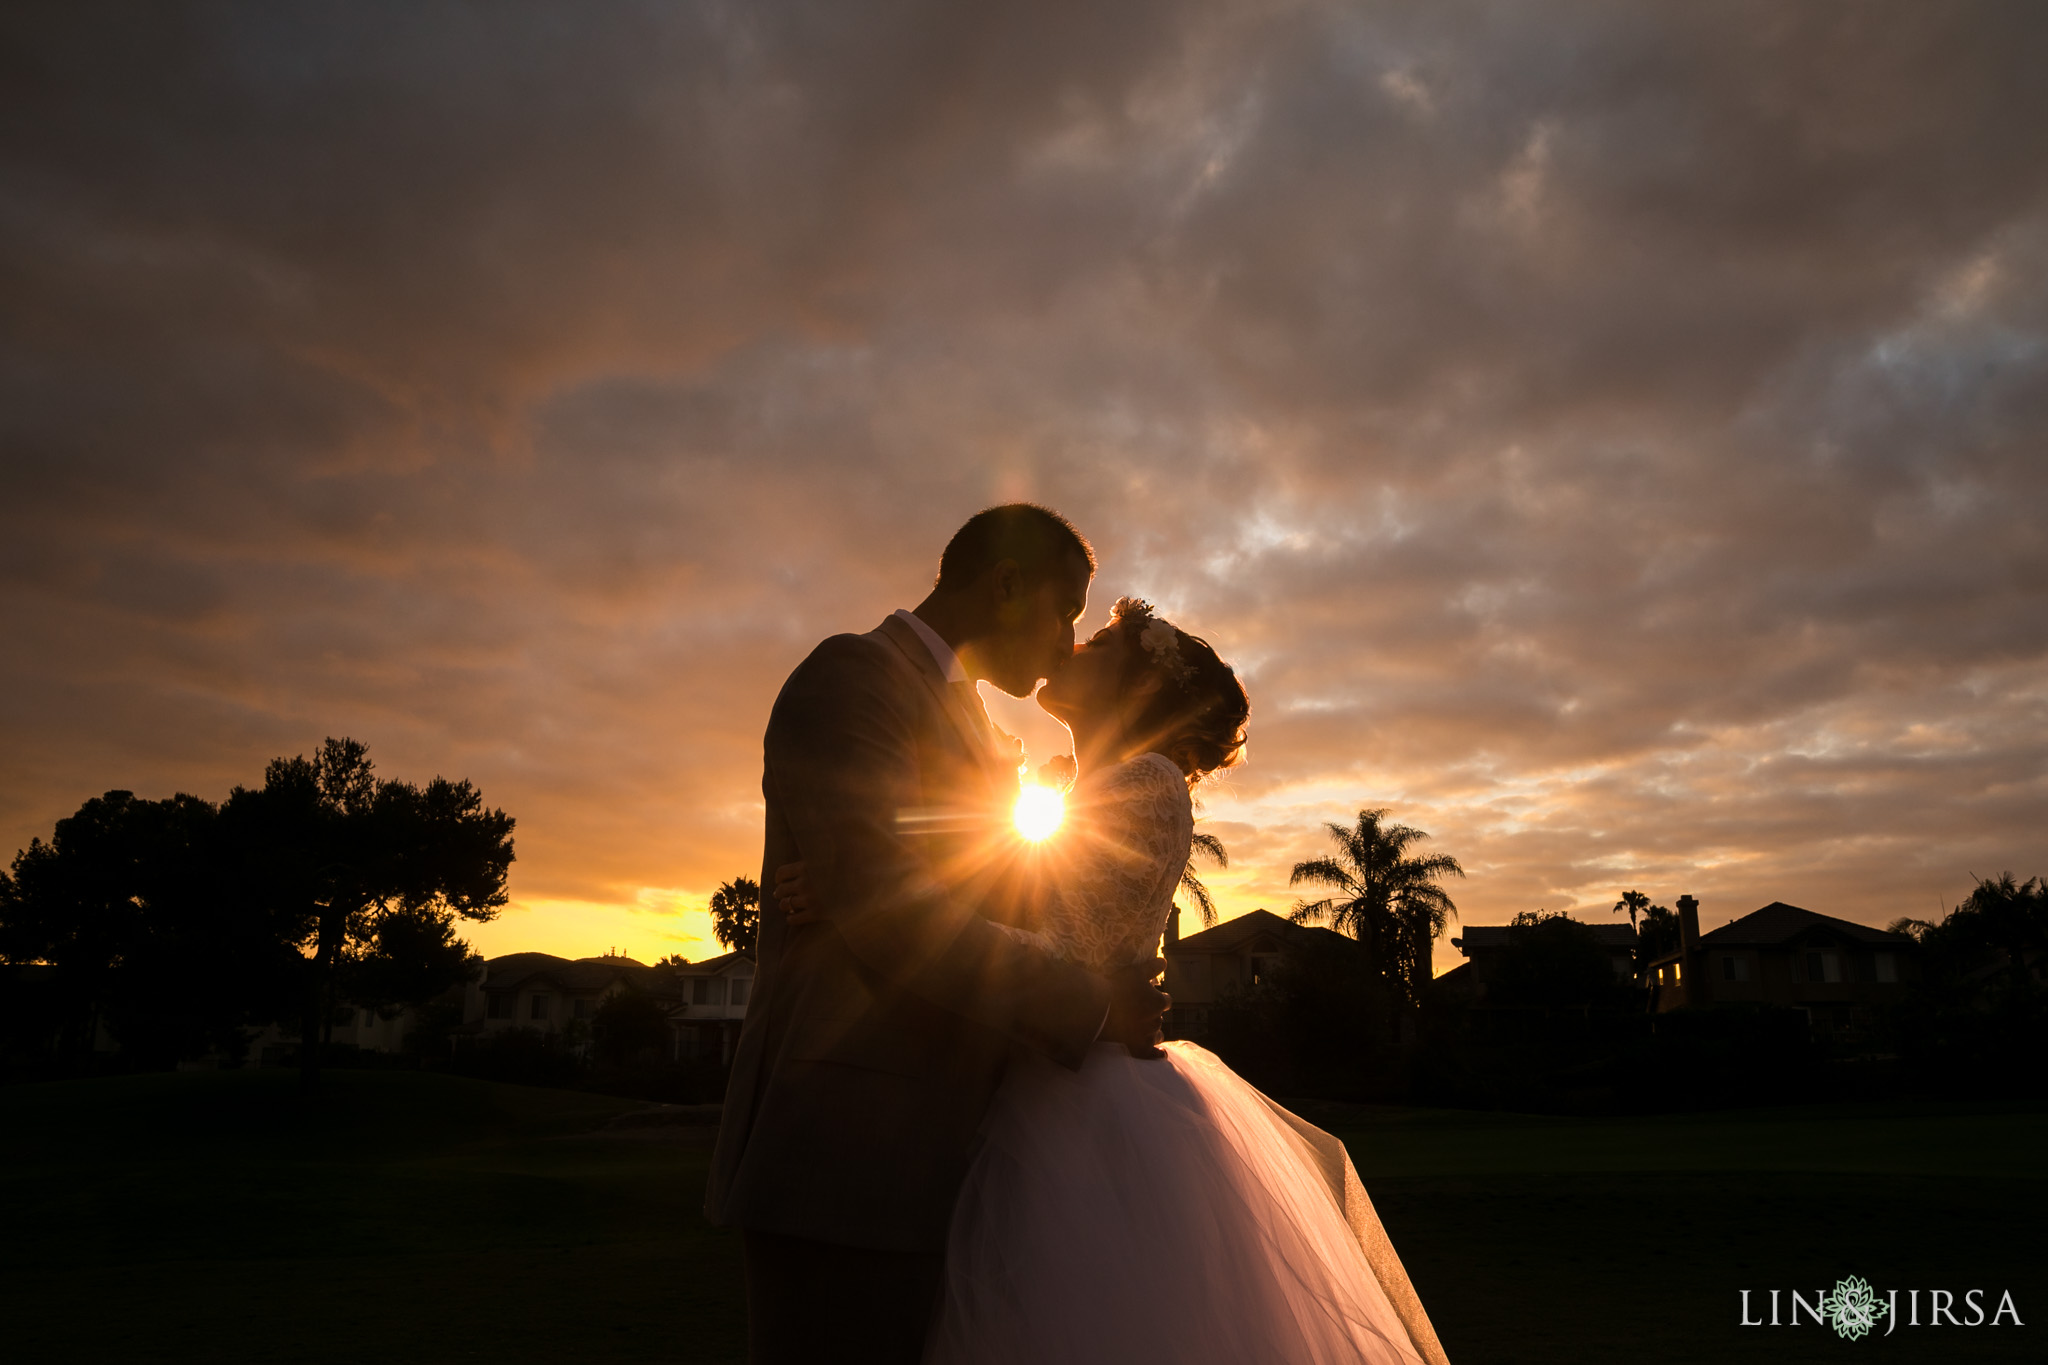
1142, 1211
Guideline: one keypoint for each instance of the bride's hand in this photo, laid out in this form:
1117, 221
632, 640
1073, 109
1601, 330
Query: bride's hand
1135, 1010
791, 895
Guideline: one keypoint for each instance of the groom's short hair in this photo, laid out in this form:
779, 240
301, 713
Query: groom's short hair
1039, 539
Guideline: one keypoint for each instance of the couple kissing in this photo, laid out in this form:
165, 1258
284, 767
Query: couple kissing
952, 1132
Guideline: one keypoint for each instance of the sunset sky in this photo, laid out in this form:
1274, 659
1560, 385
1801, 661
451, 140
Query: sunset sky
1613, 437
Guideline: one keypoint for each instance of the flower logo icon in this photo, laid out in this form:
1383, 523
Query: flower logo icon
1853, 1308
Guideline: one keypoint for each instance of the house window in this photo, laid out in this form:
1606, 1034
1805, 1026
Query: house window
1678, 972
739, 989
499, 1005
581, 1008
1887, 967
1734, 967
1823, 966
538, 1008
707, 990
1262, 968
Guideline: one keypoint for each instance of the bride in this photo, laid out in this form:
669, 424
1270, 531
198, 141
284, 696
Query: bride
1137, 1209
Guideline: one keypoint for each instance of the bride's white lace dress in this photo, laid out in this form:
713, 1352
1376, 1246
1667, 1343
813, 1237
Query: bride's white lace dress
1158, 1211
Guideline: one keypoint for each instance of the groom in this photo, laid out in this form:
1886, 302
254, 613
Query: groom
877, 1036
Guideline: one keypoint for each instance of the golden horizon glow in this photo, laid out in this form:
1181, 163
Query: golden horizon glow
1038, 812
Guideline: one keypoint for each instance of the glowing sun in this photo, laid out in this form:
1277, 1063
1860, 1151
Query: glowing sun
1038, 812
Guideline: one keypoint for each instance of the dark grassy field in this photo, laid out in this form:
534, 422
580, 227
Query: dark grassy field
394, 1217
1628, 1239
409, 1217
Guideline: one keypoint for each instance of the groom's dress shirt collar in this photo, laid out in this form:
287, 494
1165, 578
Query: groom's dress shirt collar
942, 653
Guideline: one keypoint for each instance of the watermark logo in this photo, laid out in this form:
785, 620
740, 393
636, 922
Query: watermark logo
1853, 1308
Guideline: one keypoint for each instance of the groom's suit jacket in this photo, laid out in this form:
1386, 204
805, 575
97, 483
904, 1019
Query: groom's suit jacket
875, 1039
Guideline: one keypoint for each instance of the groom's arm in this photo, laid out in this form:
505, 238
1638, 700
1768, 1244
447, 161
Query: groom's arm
842, 762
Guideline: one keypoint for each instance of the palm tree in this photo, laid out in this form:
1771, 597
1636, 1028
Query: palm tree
1635, 902
736, 913
1387, 900
2011, 916
1209, 846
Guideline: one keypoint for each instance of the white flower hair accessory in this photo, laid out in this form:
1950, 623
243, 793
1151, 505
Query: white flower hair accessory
1162, 642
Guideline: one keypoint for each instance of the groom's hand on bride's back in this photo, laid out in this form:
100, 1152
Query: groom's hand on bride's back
1135, 1007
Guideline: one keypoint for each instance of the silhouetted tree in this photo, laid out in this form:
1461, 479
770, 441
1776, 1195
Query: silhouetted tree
736, 913
410, 955
75, 903
1389, 901
629, 1024
2002, 919
1553, 961
177, 924
1977, 1020
2012, 918
128, 901
367, 878
1657, 935
1204, 846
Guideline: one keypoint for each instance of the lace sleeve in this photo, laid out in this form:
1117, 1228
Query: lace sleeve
1126, 849
1027, 936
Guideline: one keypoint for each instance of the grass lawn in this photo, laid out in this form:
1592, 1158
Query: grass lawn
408, 1217
395, 1216
1628, 1239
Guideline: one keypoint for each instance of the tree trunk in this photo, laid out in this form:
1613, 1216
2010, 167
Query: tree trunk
309, 1032
319, 1002
89, 1043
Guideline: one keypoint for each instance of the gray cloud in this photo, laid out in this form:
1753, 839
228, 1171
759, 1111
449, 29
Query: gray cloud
1608, 436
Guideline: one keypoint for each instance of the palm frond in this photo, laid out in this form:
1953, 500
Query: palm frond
1309, 912
1437, 865
1327, 871
1211, 847
1199, 894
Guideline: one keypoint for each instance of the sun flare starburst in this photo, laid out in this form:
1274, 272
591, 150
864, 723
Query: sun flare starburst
1039, 811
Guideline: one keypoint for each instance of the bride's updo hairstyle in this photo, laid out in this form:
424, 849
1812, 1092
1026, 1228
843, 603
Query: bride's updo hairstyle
1197, 717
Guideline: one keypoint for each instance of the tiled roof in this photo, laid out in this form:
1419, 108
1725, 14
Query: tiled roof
1232, 934
712, 966
580, 974
1780, 923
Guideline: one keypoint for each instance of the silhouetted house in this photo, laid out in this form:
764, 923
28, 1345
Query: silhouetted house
1485, 946
1839, 972
1203, 970
551, 994
352, 1026
714, 1005
705, 1001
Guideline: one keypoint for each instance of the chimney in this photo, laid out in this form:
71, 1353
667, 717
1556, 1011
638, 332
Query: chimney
1695, 970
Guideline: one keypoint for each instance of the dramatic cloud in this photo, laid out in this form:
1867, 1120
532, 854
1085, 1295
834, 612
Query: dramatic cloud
1609, 436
